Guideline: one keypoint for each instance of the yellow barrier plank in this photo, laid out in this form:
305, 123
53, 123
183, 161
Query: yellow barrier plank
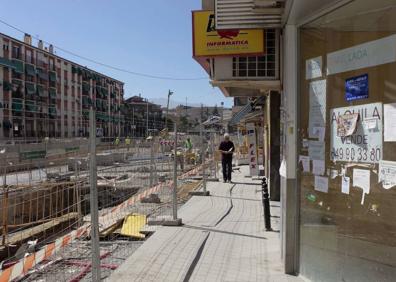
132, 225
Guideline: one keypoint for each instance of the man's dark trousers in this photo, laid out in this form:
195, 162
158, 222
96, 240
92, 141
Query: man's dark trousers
227, 168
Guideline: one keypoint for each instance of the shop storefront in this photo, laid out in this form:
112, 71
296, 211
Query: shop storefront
347, 143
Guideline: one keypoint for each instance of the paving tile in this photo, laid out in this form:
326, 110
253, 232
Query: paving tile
237, 248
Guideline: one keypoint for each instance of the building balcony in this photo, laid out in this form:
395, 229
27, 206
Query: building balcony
6, 63
52, 93
17, 106
18, 66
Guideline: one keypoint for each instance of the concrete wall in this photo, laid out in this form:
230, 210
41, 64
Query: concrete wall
222, 68
208, 4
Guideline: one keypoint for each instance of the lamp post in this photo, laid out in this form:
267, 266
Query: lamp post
5, 200
147, 115
167, 109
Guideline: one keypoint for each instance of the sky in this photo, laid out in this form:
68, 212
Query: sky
151, 37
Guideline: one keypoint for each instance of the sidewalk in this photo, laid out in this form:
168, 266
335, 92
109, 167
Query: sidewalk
223, 239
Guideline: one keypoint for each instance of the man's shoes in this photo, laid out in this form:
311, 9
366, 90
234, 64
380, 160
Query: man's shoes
224, 181
229, 181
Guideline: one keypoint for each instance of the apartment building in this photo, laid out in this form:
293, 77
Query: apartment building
142, 117
44, 95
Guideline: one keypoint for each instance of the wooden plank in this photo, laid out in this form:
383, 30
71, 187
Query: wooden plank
23, 235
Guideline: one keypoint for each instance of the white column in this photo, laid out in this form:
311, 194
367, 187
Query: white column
289, 187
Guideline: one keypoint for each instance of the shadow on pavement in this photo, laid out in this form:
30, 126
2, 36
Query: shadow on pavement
224, 232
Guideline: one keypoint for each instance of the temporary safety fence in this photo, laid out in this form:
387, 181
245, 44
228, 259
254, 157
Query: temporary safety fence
116, 203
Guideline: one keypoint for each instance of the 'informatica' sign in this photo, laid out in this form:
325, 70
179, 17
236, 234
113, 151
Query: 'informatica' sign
207, 42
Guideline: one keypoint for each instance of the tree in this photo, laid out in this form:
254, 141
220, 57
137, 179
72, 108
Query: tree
184, 124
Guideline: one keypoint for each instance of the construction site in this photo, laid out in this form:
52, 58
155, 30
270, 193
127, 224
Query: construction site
45, 200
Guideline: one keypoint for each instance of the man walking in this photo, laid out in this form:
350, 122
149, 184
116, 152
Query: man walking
227, 149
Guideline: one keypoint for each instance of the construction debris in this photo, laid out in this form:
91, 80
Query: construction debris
151, 199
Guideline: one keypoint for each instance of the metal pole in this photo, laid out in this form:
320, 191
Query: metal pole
202, 155
266, 204
167, 109
174, 198
5, 206
133, 122
147, 113
78, 203
222, 119
94, 201
213, 154
151, 163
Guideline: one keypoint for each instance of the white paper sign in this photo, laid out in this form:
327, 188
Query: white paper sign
316, 150
321, 184
319, 132
282, 168
387, 174
345, 184
370, 123
361, 179
318, 167
305, 143
365, 145
317, 106
369, 54
313, 68
305, 161
390, 122
333, 173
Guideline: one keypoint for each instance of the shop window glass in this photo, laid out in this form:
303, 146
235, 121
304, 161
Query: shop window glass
348, 233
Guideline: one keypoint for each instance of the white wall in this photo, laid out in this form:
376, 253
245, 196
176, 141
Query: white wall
222, 68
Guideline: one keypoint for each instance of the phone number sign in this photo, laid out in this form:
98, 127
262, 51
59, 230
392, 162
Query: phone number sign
365, 144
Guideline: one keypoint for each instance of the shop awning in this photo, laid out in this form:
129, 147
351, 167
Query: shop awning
52, 76
17, 82
85, 87
42, 74
98, 91
30, 89
30, 70
52, 111
85, 114
7, 86
86, 101
247, 109
41, 91
17, 105
18, 66
30, 106
7, 124
52, 92
6, 63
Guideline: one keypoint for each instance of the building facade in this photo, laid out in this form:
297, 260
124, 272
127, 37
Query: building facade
142, 117
44, 95
338, 99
